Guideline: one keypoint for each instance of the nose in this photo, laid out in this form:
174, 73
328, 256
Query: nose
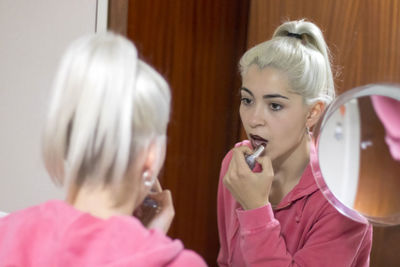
257, 117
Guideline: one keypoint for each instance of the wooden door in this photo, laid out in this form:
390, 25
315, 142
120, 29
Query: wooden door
196, 46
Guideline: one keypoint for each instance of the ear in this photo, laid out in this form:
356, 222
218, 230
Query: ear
154, 156
315, 113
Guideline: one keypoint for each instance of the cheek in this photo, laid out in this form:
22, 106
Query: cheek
242, 115
289, 129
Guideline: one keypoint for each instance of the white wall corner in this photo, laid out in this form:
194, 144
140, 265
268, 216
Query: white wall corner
101, 16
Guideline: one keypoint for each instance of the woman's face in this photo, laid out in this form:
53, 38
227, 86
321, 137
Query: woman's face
271, 113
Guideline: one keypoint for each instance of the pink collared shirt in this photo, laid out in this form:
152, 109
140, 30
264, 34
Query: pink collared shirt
303, 230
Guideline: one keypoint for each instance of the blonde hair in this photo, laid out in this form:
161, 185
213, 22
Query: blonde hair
107, 105
299, 50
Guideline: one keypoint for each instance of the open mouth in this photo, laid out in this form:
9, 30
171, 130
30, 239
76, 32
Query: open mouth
256, 141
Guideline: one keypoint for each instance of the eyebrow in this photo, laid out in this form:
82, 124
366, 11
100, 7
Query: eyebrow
264, 96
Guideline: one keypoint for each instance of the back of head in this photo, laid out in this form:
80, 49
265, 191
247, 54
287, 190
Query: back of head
299, 50
106, 106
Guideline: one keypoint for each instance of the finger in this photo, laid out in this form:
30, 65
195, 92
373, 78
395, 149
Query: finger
239, 158
164, 198
165, 213
239, 154
266, 165
237, 164
167, 203
232, 164
156, 188
245, 150
167, 199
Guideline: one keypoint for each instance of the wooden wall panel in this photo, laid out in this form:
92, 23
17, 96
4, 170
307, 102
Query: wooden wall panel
118, 16
196, 46
364, 37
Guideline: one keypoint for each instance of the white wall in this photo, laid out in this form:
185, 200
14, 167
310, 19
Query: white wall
339, 152
33, 35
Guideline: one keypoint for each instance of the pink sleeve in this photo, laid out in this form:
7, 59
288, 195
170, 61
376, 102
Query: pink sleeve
388, 110
188, 258
332, 241
223, 213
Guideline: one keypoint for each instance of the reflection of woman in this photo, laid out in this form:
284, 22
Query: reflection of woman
276, 215
388, 110
105, 141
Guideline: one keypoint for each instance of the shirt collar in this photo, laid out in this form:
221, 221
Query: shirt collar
305, 187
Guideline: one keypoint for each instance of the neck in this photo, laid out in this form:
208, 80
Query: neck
99, 202
288, 170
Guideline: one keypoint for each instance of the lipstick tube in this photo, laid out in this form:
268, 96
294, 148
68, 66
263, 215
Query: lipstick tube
251, 159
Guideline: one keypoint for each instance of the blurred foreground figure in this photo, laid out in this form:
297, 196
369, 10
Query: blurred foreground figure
105, 142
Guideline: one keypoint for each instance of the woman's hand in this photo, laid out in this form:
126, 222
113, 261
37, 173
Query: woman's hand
250, 189
157, 211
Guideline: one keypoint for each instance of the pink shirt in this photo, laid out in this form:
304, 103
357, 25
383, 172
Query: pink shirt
56, 234
303, 230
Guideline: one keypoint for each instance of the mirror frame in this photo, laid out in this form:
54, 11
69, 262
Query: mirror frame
388, 90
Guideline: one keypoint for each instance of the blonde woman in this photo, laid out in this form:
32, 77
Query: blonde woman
105, 142
275, 215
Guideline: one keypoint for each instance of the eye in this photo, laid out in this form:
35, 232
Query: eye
245, 101
275, 106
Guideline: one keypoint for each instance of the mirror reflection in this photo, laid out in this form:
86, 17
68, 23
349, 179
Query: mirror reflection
359, 156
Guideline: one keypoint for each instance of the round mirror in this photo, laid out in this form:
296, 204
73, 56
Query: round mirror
356, 154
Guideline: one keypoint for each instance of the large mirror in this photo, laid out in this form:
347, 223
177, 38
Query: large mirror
356, 154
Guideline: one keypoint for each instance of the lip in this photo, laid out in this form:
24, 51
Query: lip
257, 140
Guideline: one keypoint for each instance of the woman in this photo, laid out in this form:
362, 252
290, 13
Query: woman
105, 142
275, 215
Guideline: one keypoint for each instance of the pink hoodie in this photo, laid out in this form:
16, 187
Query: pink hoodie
303, 230
56, 234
